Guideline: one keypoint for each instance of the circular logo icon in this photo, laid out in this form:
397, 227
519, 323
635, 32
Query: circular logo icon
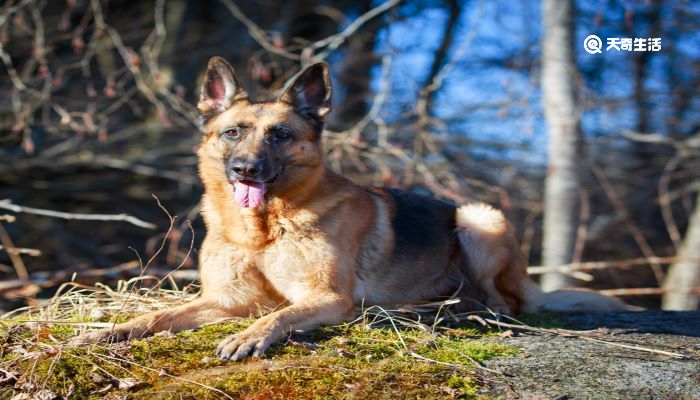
592, 44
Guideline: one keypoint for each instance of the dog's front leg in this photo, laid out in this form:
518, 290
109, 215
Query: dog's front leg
316, 309
230, 288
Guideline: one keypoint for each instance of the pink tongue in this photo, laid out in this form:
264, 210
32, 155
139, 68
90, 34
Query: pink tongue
248, 193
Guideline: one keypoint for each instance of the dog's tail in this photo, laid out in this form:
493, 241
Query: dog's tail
500, 268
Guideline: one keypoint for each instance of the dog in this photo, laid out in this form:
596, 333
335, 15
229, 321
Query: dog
283, 229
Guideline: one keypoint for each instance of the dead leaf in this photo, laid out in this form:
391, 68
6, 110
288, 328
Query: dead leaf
345, 353
8, 377
43, 394
453, 393
104, 389
99, 378
129, 383
307, 345
165, 335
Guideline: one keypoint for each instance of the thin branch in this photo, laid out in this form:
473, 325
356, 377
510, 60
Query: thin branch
570, 333
649, 291
334, 41
256, 33
598, 265
692, 142
665, 200
7, 205
637, 234
21, 250
17, 262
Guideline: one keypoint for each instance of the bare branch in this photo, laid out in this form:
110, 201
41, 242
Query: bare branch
649, 291
7, 205
598, 265
17, 262
333, 42
21, 250
256, 33
637, 234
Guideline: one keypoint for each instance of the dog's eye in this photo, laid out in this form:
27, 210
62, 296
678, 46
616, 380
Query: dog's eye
232, 133
280, 134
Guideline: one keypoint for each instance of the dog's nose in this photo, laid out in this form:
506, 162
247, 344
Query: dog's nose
247, 168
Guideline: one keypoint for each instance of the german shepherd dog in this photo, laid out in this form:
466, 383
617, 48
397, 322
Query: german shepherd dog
285, 233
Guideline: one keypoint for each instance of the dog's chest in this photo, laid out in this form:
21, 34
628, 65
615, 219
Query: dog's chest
294, 265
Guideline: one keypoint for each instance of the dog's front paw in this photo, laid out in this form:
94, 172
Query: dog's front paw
245, 344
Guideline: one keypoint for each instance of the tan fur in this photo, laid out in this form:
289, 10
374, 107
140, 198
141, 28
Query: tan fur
320, 246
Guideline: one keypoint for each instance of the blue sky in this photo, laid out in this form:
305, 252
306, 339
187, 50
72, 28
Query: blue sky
485, 100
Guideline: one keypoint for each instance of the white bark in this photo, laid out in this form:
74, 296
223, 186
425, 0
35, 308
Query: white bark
561, 210
685, 274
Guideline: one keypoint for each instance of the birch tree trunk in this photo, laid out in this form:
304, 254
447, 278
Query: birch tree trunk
562, 184
685, 274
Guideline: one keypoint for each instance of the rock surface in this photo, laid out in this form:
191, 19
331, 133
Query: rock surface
554, 366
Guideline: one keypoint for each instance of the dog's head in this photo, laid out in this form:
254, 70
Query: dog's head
263, 147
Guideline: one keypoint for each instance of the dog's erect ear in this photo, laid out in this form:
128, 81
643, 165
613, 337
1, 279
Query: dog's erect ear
310, 93
219, 88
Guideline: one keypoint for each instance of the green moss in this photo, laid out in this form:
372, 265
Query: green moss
330, 362
63, 331
462, 352
465, 386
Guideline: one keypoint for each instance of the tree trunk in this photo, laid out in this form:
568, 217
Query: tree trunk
685, 274
455, 8
355, 73
563, 180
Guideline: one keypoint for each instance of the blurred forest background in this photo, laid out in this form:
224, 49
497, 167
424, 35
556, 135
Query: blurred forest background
594, 157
